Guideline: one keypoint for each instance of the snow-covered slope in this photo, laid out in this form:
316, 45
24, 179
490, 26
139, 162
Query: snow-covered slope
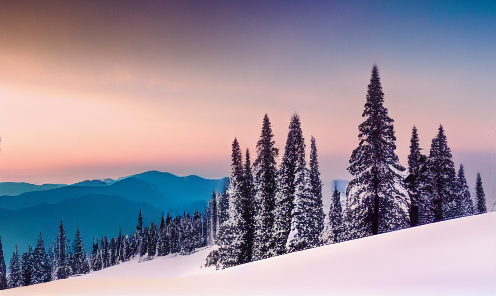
454, 257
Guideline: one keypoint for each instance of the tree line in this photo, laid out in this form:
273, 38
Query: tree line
65, 258
271, 209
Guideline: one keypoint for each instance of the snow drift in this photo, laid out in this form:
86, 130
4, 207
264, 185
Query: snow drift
455, 257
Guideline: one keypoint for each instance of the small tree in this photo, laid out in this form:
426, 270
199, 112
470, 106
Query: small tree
3, 269
15, 276
480, 197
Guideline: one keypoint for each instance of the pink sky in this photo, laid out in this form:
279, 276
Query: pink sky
88, 91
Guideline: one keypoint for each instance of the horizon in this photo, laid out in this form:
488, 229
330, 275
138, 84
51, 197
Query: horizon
95, 90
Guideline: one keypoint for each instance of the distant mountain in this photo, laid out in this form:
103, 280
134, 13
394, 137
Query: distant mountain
16, 188
91, 183
97, 215
162, 190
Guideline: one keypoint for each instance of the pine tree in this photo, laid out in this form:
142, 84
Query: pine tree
152, 242
376, 199
15, 277
336, 227
27, 267
144, 242
317, 211
443, 174
62, 269
162, 238
248, 208
412, 181
105, 252
42, 272
300, 236
466, 206
480, 197
3, 269
233, 232
80, 260
265, 184
285, 196
96, 256
212, 219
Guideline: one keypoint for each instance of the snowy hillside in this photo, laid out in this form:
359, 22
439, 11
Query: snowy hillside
454, 257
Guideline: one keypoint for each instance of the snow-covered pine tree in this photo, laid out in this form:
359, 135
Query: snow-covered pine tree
443, 175
412, 181
80, 260
15, 276
3, 269
480, 196
113, 252
152, 242
96, 256
212, 219
302, 223
232, 238
144, 242
162, 238
105, 252
62, 270
316, 211
27, 267
265, 183
463, 192
285, 195
197, 237
223, 206
41, 266
248, 208
120, 247
336, 227
425, 202
376, 198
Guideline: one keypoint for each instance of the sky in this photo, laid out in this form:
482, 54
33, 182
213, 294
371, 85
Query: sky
105, 89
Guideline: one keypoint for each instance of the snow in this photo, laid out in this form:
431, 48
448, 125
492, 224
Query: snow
453, 257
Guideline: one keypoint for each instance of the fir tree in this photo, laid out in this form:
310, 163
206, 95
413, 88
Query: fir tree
62, 269
412, 181
232, 238
480, 197
3, 269
152, 242
294, 154
15, 277
300, 237
27, 267
336, 227
212, 219
105, 252
443, 174
120, 247
41, 267
80, 261
96, 256
466, 206
162, 238
144, 242
113, 252
376, 199
265, 184
248, 210
316, 211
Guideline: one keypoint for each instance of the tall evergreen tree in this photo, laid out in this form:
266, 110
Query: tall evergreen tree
162, 238
27, 267
104, 249
15, 276
144, 242
443, 174
3, 269
376, 198
232, 237
466, 206
316, 211
336, 227
152, 242
62, 270
96, 256
80, 260
248, 208
480, 197
113, 252
412, 181
285, 196
41, 266
265, 184
212, 219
